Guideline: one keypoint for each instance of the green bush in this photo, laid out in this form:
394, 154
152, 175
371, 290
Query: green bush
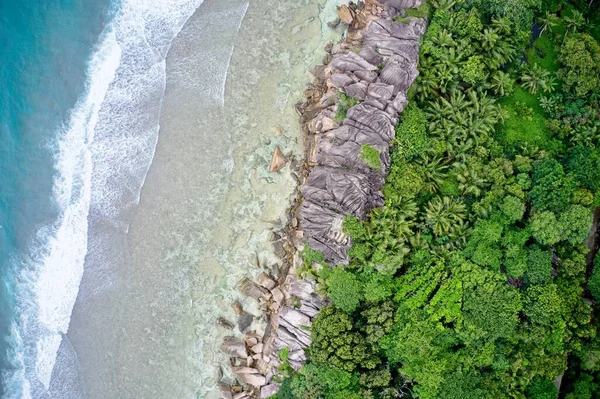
345, 290
371, 156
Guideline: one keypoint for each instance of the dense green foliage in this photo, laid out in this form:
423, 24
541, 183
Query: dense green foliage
475, 279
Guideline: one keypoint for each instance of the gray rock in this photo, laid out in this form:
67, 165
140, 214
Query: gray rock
399, 75
285, 339
356, 90
266, 281
366, 76
256, 380
343, 191
340, 80
308, 310
225, 390
371, 56
244, 370
380, 91
244, 322
351, 62
365, 117
402, 4
294, 317
251, 289
223, 322
277, 295
399, 103
234, 347
300, 335
269, 390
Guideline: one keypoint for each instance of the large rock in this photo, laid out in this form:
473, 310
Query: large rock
269, 390
402, 4
340, 80
351, 62
356, 90
294, 317
234, 347
251, 289
256, 380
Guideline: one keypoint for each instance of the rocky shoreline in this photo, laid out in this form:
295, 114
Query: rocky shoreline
375, 65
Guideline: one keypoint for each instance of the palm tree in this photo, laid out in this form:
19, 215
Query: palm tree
502, 83
574, 22
548, 21
444, 39
443, 4
469, 181
537, 78
443, 212
435, 171
489, 39
502, 24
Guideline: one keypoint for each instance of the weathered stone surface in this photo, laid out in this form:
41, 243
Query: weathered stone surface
278, 161
300, 335
244, 322
371, 56
266, 281
244, 370
225, 390
287, 340
223, 322
269, 390
402, 4
366, 76
340, 190
294, 317
251, 289
351, 62
340, 80
399, 75
258, 348
256, 380
345, 14
380, 91
277, 295
356, 90
308, 310
234, 347
399, 102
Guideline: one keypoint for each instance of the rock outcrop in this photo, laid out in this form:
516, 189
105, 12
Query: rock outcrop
341, 183
376, 65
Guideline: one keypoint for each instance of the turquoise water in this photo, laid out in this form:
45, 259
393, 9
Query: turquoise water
46, 46
82, 83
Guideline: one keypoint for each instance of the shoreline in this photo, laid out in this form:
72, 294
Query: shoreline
198, 229
289, 302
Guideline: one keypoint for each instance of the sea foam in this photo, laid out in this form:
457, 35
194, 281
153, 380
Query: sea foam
50, 274
102, 156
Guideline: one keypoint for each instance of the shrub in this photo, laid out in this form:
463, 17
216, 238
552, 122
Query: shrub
371, 156
345, 290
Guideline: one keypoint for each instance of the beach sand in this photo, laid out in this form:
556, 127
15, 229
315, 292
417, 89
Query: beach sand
209, 204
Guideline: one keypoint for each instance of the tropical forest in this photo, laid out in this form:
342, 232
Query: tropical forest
478, 278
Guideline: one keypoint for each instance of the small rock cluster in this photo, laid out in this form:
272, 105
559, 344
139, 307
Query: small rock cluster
254, 358
340, 183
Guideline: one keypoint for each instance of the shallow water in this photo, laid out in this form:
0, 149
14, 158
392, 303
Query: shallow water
144, 322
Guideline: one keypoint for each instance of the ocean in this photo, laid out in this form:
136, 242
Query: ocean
118, 250
75, 76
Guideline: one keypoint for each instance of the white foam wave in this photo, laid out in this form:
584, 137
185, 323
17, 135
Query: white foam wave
103, 156
50, 275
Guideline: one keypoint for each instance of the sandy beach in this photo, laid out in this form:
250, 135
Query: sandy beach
209, 204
